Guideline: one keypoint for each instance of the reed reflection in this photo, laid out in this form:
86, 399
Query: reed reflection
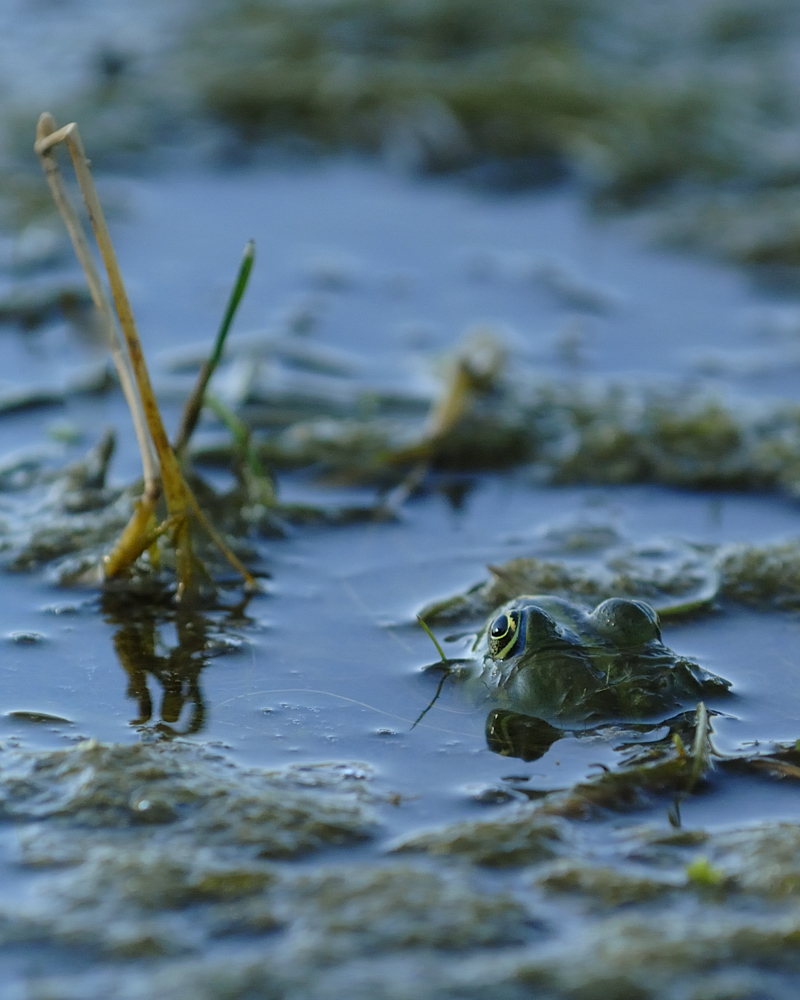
163, 650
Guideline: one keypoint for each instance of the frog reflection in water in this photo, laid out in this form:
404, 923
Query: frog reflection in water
543, 659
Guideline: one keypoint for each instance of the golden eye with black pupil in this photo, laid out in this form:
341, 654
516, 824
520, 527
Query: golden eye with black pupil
503, 635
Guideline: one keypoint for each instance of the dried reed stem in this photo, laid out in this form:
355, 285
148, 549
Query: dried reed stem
221, 544
46, 139
141, 532
171, 477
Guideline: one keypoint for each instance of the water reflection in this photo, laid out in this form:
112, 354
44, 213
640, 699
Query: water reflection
512, 734
164, 649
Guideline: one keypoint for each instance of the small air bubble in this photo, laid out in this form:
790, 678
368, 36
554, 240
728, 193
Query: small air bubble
27, 638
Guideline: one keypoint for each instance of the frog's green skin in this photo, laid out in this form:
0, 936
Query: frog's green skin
546, 657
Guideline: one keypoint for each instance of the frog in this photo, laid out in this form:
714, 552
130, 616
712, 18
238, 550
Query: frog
544, 656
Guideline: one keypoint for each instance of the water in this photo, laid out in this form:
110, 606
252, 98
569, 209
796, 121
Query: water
335, 628
325, 663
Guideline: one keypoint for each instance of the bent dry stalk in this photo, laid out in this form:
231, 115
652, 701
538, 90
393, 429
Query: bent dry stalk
477, 366
142, 531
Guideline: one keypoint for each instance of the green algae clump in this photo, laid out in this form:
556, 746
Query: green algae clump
190, 794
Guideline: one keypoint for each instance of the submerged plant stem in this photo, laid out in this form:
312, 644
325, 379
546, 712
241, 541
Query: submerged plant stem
433, 638
221, 544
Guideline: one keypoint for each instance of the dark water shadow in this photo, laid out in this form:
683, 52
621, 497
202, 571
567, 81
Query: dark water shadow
512, 734
528, 738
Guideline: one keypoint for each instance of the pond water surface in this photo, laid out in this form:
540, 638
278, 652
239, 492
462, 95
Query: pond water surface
325, 663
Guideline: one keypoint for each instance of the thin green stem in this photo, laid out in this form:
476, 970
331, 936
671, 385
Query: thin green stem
434, 640
248, 257
194, 404
433, 700
241, 434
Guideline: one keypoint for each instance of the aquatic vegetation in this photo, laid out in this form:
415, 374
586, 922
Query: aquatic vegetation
604, 887
666, 771
147, 832
762, 574
395, 908
674, 577
155, 852
184, 861
528, 834
61, 511
639, 102
190, 794
494, 415
441, 84
143, 530
636, 100
30, 307
522, 836
483, 418
702, 873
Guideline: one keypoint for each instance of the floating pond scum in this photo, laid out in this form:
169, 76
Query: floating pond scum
454, 405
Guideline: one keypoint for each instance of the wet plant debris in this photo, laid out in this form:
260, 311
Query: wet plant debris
637, 100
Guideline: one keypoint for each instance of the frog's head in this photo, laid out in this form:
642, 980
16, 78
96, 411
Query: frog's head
538, 655
547, 657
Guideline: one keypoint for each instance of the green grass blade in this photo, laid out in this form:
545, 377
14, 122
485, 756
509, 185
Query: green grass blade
233, 302
191, 412
435, 641
241, 435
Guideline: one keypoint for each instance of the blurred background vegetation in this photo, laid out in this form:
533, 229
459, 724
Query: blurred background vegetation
687, 108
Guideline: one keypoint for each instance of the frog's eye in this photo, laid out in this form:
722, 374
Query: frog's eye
504, 634
627, 623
